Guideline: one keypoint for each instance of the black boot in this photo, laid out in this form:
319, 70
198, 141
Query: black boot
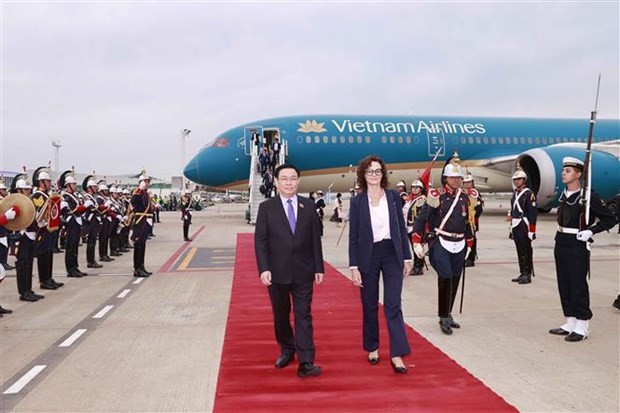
443, 304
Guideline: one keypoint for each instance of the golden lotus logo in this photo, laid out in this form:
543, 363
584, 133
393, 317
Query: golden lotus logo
311, 126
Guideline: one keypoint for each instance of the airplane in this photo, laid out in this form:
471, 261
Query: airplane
327, 149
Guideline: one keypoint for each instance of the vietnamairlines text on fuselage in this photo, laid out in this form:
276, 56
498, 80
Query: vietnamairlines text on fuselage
407, 127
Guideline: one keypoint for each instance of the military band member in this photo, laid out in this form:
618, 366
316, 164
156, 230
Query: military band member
142, 223
447, 215
4, 235
522, 216
104, 206
91, 220
9, 215
71, 210
46, 210
468, 183
411, 210
186, 214
124, 235
25, 250
572, 257
401, 188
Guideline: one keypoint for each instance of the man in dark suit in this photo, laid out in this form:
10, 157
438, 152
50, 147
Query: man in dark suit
290, 259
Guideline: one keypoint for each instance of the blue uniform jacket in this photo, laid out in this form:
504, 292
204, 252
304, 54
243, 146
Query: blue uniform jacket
360, 231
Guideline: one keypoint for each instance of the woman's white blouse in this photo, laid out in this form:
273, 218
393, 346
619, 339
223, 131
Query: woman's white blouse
380, 219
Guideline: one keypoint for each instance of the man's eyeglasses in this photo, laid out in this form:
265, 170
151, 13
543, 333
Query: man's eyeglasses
371, 172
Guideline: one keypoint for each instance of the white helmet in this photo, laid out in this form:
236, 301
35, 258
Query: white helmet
103, 186
401, 183
44, 175
453, 169
144, 176
417, 183
519, 173
468, 177
22, 184
2, 185
70, 179
113, 189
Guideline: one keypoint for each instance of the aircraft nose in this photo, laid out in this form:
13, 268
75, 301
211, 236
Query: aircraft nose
192, 171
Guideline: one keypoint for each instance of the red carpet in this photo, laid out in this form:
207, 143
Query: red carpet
248, 381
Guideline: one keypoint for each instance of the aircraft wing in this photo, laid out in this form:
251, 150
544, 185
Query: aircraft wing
501, 163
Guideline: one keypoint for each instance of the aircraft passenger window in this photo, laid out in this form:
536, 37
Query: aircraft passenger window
565, 139
493, 140
544, 141
343, 139
471, 139
400, 140
408, 139
522, 140
572, 139
325, 139
478, 140
384, 139
317, 139
529, 140
500, 140
485, 140
391, 139
508, 141
334, 139
359, 139
463, 140
351, 139
516, 141
367, 139
308, 139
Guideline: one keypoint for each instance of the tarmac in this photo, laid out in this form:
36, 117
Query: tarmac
110, 342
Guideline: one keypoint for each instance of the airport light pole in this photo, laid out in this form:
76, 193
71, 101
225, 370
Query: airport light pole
56, 144
184, 135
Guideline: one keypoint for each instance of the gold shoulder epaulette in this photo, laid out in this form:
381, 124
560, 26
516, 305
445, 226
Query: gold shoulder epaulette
433, 198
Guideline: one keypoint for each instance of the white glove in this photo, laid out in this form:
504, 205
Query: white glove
418, 249
142, 185
531, 235
89, 204
10, 214
108, 204
584, 235
2, 273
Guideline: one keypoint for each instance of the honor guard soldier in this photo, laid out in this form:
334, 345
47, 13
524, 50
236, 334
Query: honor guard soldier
25, 250
468, 183
411, 210
401, 188
4, 235
447, 213
47, 205
91, 221
522, 217
572, 255
71, 210
142, 223
186, 214
124, 235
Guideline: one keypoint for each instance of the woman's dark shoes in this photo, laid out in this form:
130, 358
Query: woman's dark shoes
284, 360
373, 357
398, 369
308, 370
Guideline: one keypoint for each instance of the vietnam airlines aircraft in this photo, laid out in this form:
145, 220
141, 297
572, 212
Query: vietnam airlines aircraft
327, 148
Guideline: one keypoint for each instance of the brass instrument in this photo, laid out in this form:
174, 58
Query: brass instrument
26, 211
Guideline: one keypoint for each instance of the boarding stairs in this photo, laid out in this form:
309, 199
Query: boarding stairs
256, 180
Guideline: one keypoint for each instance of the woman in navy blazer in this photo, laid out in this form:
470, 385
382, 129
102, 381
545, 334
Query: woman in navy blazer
378, 243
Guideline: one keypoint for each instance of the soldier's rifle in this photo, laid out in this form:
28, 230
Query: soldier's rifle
586, 188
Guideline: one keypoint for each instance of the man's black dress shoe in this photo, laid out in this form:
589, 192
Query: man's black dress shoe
559, 331
187, 239
94, 265
516, 280
5, 310
48, 285
445, 325
28, 296
56, 283
526, 279
84, 274
284, 360
575, 337
74, 274
617, 303
140, 273
106, 259
453, 323
398, 369
308, 370
8, 267
145, 271
37, 296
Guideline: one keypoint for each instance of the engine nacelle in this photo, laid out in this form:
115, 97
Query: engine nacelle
544, 172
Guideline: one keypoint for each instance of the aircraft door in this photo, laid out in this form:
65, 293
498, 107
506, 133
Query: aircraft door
253, 137
436, 142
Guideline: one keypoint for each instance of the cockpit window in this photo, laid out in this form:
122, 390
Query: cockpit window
220, 143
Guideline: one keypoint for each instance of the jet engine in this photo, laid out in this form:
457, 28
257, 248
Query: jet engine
544, 171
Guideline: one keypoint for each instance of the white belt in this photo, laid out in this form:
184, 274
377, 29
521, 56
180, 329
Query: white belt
448, 234
567, 230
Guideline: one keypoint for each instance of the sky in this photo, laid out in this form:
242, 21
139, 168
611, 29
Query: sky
116, 82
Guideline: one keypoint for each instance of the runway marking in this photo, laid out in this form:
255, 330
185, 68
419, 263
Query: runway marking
124, 293
210, 269
72, 338
138, 281
25, 379
168, 264
103, 311
188, 258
